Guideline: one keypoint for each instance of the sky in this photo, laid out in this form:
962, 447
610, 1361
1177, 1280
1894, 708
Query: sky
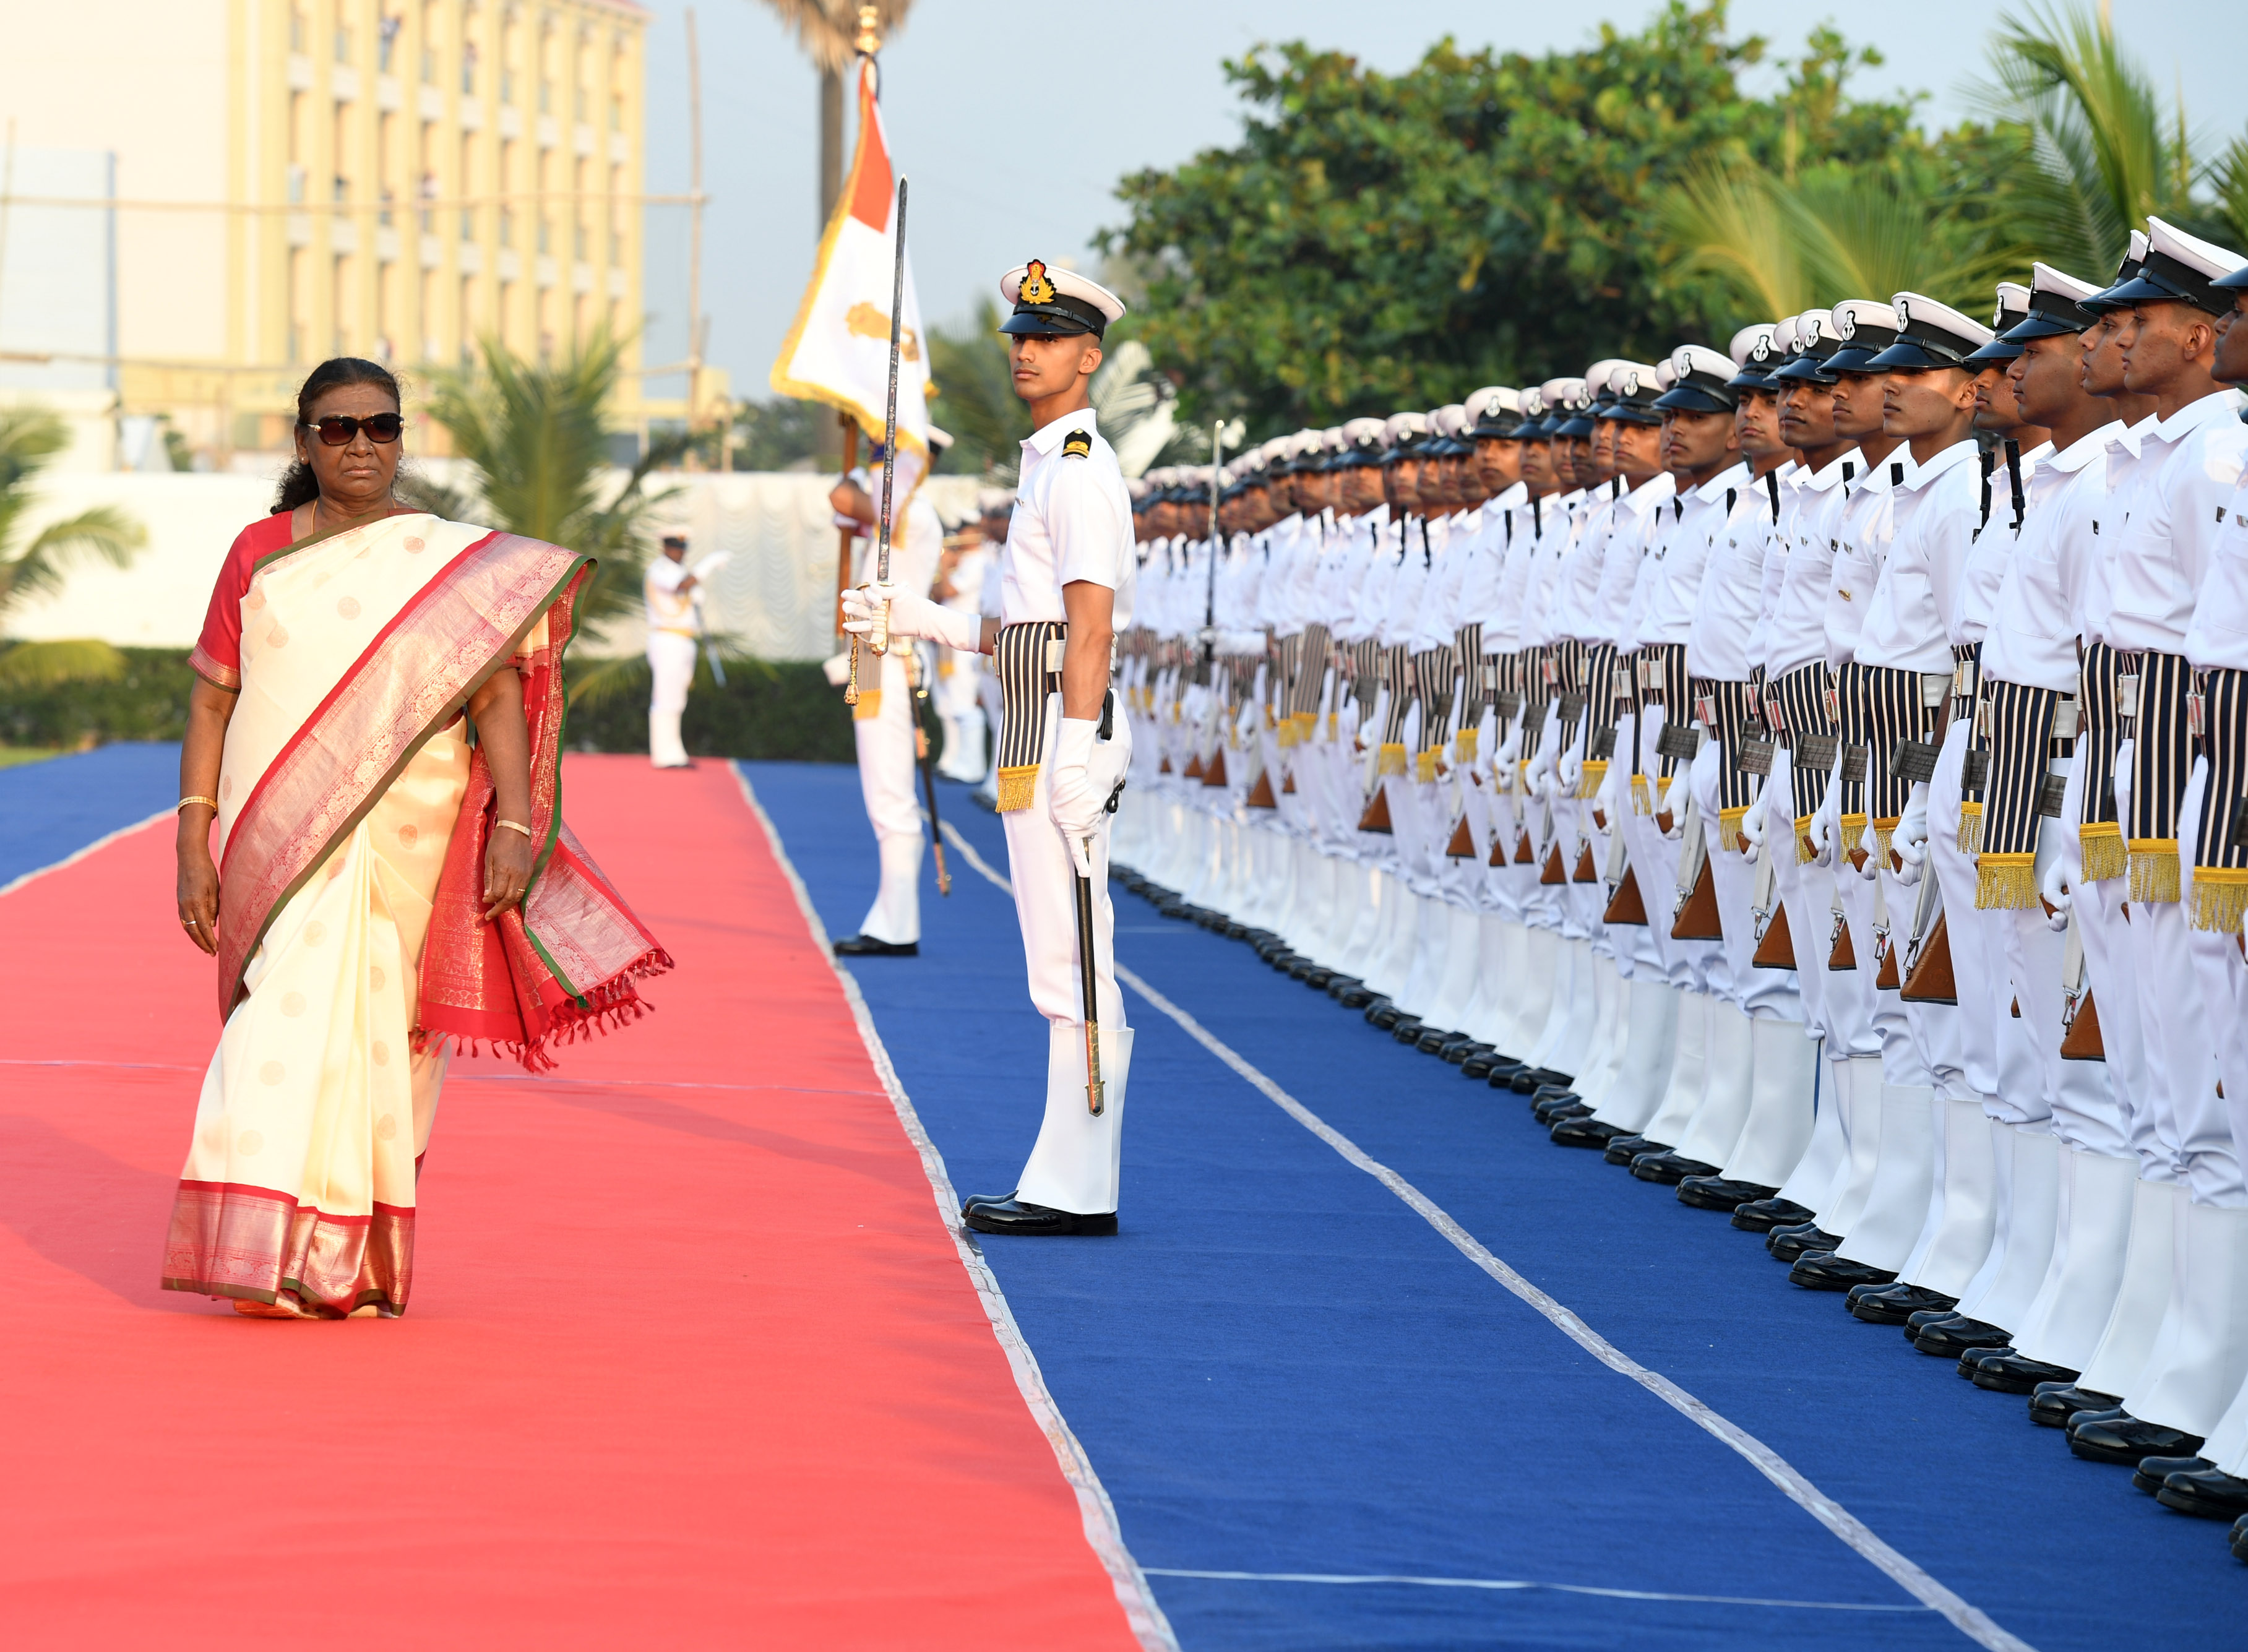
1014, 142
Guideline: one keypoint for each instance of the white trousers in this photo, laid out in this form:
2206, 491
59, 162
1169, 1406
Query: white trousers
671, 669
1076, 1164
886, 778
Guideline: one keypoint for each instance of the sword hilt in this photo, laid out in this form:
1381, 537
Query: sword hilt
879, 638
850, 687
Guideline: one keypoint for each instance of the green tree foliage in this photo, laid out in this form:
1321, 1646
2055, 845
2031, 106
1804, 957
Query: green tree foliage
37, 565
536, 440
772, 435
1382, 241
976, 401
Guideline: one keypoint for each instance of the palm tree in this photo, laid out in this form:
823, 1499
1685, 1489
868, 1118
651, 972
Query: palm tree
30, 438
1773, 246
2103, 151
536, 446
829, 31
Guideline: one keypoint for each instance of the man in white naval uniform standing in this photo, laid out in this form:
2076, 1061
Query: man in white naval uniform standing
1066, 577
674, 627
884, 724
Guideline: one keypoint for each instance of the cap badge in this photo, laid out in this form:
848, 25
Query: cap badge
1903, 310
1036, 288
1077, 444
1846, 322
1811, 330
1762, 352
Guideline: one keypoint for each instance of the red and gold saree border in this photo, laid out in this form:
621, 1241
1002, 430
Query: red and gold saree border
410, 680
233, 1239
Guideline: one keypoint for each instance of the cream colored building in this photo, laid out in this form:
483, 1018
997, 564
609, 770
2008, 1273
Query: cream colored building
296, 178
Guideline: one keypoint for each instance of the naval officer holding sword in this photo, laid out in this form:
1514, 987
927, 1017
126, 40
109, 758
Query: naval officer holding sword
1066, 577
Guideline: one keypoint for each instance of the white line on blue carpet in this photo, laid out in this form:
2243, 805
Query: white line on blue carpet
1524, 1583
1104, 1532
1971, 1620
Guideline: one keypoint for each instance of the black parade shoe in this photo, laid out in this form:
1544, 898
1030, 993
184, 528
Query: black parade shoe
1585, 1133
2018, 1374
1720, 1192
1762, 1215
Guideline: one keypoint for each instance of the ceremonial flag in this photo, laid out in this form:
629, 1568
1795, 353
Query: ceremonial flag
839, 351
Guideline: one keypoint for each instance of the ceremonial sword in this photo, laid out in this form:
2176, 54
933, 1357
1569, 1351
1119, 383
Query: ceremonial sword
879, 638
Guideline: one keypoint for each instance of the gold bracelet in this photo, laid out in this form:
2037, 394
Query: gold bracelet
513, 827
212, 802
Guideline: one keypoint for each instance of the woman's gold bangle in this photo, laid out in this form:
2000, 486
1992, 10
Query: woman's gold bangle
513, 825
211, 802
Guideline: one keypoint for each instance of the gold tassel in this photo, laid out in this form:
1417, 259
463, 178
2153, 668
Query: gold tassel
1728, 826
1392, 760
1424, 767
1970, 828
1465, 743
2101, 845
1804, 854
869, 706
1016, 786
1596, 774
1883, 831
2006, 880
1641, 803
1852, 835
1287, 733
2153, 869
2220, 898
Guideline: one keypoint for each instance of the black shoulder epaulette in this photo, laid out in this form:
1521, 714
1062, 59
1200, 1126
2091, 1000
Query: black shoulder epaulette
2014, 478
1772, 486
1077, 444
1896, 474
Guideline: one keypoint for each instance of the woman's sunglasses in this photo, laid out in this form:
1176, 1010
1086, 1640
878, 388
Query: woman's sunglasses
336, 429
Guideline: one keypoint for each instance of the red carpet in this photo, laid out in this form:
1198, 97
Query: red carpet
690, 1363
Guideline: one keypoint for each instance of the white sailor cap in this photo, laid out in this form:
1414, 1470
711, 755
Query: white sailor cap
1364, 441
989, 500
2014, 305
1929, 335
1279, 447
1596, 382
1755, 356
1812, 341
1402, 433
2134, 256
1701, 381
1449, 420
1632, 389
1495, 411
2056, 305
1056, 303
2180, 268
1865, 326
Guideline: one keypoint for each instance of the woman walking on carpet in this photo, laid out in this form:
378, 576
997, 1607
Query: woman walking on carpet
378, 888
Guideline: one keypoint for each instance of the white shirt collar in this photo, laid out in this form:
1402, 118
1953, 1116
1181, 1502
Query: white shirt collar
2085, 448
1734, 476
2218, 404
1958, 454
1047, 437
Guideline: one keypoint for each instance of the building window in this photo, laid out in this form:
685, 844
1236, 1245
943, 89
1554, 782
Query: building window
469, 68
343, 42
385, 41
298, 31
466, 321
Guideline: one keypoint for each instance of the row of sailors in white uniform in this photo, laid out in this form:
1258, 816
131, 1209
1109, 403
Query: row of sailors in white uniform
2095, 1211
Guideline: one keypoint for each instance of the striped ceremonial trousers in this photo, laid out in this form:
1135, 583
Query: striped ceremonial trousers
2022, 747
2220, 861
2162, 759
1891, 708
1729, 710
2100, 831
1805, 727
1020, 657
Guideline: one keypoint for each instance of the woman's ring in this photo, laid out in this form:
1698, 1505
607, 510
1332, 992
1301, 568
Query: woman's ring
189, 923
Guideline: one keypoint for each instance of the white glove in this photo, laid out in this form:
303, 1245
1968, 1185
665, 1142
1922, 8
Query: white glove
1510, 749
911, 616
711, 563
1909, 839
1671, 799
1751, 827
1607, 803
1073, 803
2061, 850
1569, 770
1826, 822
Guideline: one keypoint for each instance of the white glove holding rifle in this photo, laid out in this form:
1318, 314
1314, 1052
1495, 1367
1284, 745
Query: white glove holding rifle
911, 616
1909, 838
1074, 801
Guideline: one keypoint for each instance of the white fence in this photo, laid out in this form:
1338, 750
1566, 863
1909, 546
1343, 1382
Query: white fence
777, 595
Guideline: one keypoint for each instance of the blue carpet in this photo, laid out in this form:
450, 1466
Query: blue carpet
1278, 1367
56, 806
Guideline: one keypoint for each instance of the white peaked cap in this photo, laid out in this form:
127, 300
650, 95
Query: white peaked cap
2138, 251
1699, 357
1783, 335
1918, 308
1450, 419
2205, 257
1331, 439
1872, 311
1400, 425
1068, 283
1560, 392
1598, 375
1358, 432
1812, 325
1277, 448
1666, 373
1481, 401
2045, 279
1745, 341
1533, 402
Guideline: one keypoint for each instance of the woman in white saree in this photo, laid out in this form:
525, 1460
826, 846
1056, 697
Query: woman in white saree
381, 886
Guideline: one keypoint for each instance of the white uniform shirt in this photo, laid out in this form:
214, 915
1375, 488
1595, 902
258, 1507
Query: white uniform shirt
2218, 636
2172, 538
1639, 517
1993, 549
1682, 556
668, 608
2032, 638
1908, 621
1719, 640
1868, 524
1073, 521
1811, 527
2131, 454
